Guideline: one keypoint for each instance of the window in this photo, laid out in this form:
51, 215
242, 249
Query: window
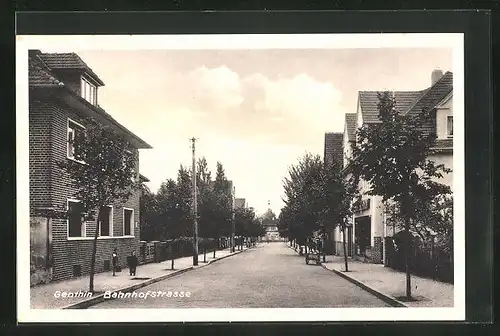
106, 227
76, 223
449, 126
89, 92
128, 222
74, 128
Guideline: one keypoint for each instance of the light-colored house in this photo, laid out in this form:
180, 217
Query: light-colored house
365, 236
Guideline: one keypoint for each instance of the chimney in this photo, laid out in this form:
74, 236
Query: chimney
436, 75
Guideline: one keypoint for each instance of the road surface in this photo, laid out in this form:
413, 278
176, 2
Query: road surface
267, 276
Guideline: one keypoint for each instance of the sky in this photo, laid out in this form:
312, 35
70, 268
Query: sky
255, 111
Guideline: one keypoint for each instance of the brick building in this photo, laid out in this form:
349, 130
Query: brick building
368, 228
62, 91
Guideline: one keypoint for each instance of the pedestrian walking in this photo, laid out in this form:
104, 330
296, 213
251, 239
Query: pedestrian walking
132, 263
115, 260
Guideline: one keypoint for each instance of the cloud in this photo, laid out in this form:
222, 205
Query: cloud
214, 89
297, 99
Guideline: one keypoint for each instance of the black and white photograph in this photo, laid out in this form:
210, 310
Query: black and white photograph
208, 178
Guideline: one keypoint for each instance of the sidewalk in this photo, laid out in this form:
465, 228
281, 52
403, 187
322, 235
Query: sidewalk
43, 296
386, 282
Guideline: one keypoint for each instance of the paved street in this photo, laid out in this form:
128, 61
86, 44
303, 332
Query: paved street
268, 276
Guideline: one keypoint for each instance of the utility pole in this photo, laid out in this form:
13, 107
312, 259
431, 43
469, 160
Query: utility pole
195, 204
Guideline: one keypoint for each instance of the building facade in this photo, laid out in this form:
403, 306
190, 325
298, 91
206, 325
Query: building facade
63, 91
367, 229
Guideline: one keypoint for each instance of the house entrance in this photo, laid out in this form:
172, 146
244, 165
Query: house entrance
362, 234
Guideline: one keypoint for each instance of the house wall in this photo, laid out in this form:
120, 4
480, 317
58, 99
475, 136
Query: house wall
447, 160
442, 113
45, 175
40, 135
377, 229
71, 79
346, 146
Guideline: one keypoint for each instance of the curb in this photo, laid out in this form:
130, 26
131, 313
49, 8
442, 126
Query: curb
100, 298
224, 257
382, 296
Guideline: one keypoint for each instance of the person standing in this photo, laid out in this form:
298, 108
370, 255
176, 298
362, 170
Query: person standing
115, 260
132, 263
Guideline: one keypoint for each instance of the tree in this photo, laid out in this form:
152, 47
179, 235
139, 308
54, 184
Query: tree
223, 203
393, 157
334, 193
103, 172
303, 188
183, 196
149, 214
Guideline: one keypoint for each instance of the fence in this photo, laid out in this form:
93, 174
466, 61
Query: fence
431, 262
158, 251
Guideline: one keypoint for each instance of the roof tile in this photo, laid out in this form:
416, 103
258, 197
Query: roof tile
369, 100
334, 147
39, 74
68, 61
350, 121
433, 95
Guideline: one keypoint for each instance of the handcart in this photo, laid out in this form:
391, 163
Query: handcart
312, 255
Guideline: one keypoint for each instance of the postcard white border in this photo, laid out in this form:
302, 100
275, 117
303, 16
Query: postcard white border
196, 42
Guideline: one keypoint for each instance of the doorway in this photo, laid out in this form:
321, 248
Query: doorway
362, 234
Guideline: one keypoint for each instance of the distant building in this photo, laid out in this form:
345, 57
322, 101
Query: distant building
270, 224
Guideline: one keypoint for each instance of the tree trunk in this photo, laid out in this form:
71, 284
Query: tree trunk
407, 262
407, 244
323, 247
94, 251
345, 248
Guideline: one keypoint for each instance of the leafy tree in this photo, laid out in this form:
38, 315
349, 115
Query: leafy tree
303, 211
206, 206
335, 191
223, 203
169, 214
393, 157
103, 172
184, 205
149, 214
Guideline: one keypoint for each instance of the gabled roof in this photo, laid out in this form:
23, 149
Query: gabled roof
334, 148
368, 101
350, 122
64, 61
434, 95
39, 74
